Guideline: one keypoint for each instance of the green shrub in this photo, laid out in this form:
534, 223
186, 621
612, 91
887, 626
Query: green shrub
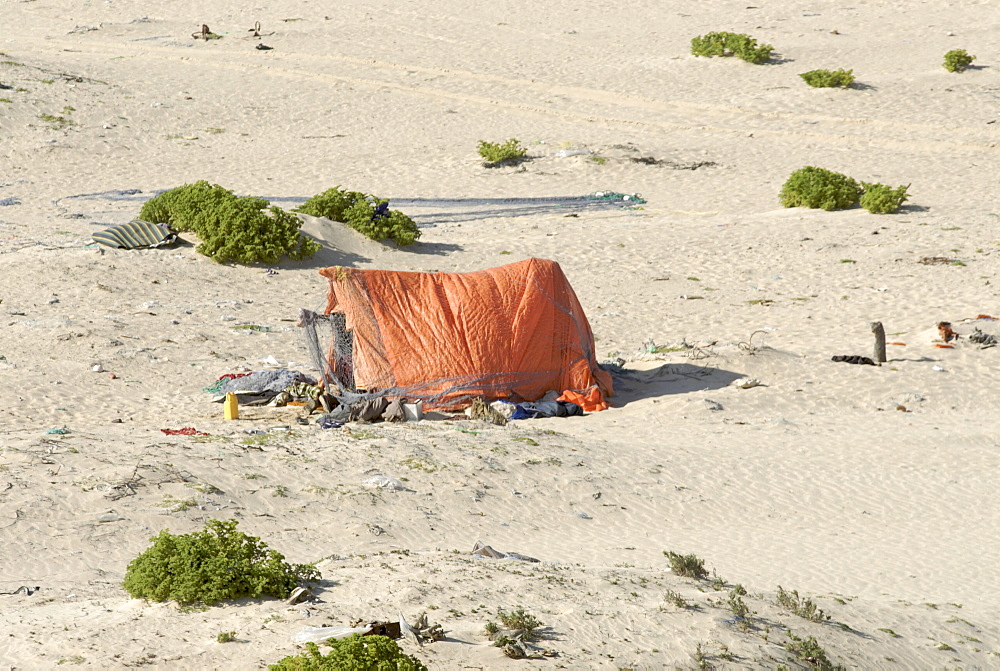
517, 620
332, 203
366, 214
808, 650
819, 188
957, 60
688, 566
215, 564
805, 608
356, 653
376, 221
828, 78
232, 228
880, 199
509, 152
731, 44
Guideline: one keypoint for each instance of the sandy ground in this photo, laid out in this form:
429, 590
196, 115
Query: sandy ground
871, 491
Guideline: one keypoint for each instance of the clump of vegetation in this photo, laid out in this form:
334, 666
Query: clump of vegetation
828, 78
805, 608
957, 60
809, 651
687, 566
517, 623
332, 203
226, 637
56, 122
509, 153
731, 44
367, 214
215, 564
358, 653
819, 188
242, 229
739, 608
674, 597
881, 199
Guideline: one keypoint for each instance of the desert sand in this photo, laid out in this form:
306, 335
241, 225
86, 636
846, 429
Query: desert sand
870, 490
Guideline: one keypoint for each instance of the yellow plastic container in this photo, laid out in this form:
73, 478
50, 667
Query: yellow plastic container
231, 406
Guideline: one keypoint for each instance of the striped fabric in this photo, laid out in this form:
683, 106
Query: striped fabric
136, 234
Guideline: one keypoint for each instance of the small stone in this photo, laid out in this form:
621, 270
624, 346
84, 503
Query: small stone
97, 368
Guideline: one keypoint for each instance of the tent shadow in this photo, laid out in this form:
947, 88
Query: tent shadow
670, 378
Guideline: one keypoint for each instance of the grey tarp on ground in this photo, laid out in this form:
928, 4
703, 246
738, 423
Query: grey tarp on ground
136, 234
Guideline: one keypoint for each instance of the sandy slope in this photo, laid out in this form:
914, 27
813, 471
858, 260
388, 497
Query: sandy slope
870, 490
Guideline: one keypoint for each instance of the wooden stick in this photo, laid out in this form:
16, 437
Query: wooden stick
879, 342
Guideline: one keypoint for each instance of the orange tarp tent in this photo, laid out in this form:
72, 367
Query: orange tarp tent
513, 332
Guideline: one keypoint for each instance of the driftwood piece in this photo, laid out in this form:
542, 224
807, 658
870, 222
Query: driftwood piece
879, 342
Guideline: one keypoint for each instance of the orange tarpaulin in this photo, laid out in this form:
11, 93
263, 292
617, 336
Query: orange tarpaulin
513, 332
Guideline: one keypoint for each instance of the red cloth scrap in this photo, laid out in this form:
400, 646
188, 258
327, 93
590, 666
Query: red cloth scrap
186, 431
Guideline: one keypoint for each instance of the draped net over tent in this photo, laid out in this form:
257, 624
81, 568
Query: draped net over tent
512, 332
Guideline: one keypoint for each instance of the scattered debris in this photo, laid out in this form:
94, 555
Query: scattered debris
984, 340
385, 482
483, 550
854, 358
186, 431
946, 332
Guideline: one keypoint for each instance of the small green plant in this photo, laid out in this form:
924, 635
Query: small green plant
687, 566
739, 608
232, 228
957, 60
215, 564
805, 608
55, 122
828, 78
509, 153
357, 653
809, 651
367, 214
226, 637
881, 199
731, 44
519, 622
889, 631
674, 597
717, 582
819, 188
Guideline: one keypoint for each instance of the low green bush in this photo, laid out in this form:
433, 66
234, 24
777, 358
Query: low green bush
364, 213
881, 199
819, 188
731, 44
809, 651
242, 229
957, 60
332, 203
509, 152
356, 653
215, 564
687, 566
828, 78
375, 220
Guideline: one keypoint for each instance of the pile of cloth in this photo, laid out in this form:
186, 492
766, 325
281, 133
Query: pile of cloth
275, 388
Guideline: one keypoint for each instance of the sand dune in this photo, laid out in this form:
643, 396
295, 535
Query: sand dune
869, 490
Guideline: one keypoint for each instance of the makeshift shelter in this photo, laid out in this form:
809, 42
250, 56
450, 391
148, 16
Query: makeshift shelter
514, 332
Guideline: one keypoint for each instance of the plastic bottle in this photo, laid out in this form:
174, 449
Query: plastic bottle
231, 406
